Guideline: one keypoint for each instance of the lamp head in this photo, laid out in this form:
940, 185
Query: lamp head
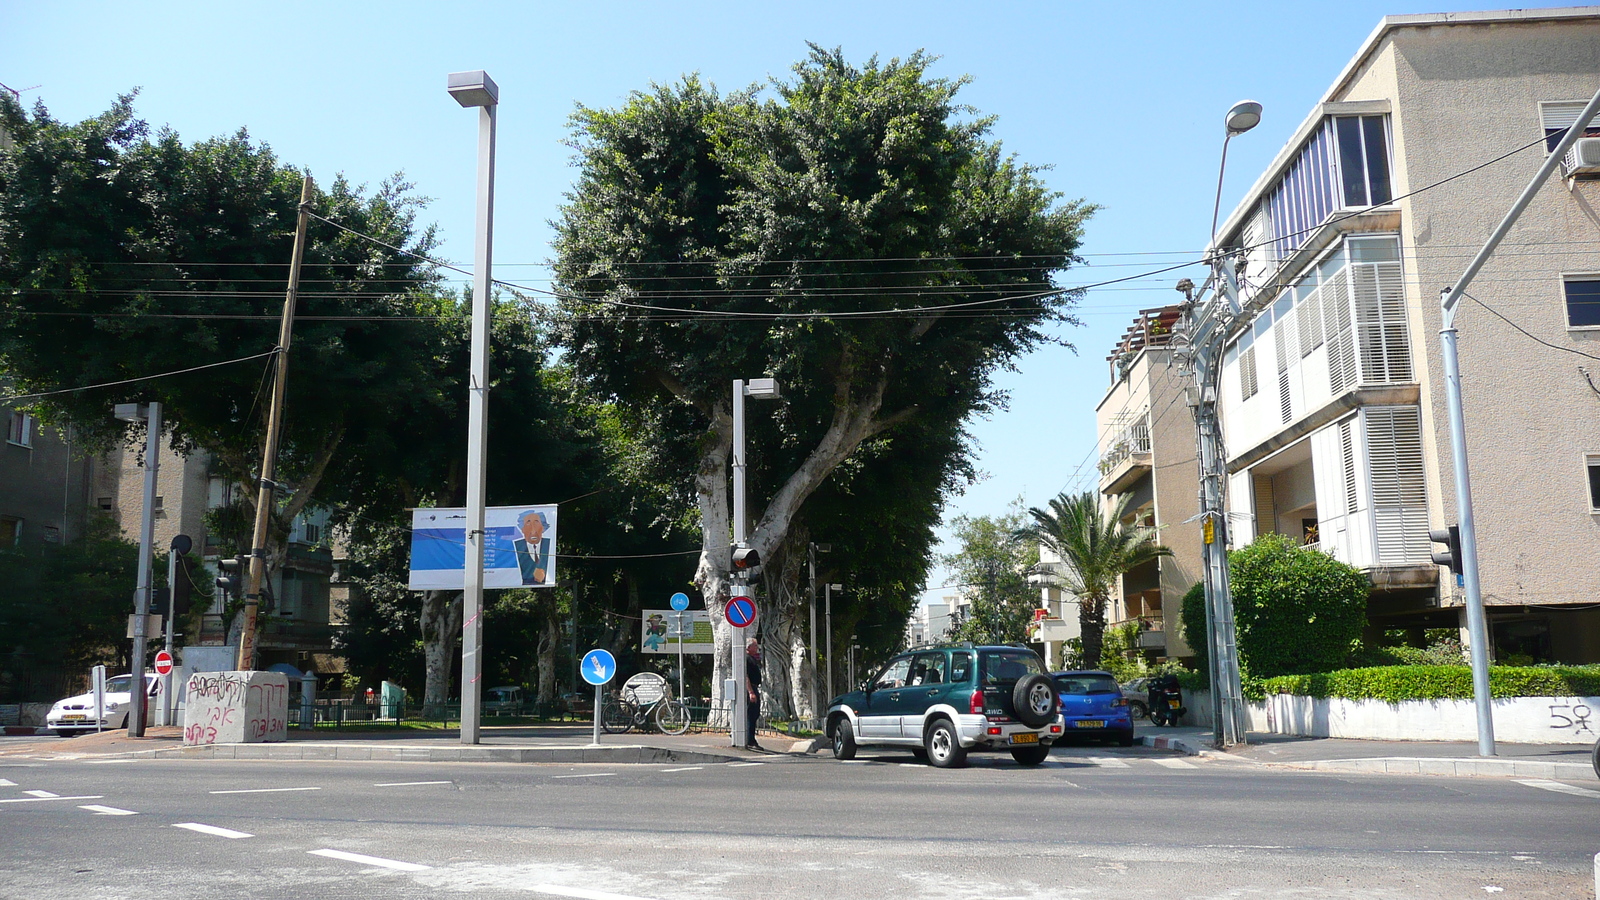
1243, 116
474, 88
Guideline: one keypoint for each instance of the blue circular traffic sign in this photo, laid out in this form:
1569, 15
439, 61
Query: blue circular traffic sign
741, 611
598, 667
680, 601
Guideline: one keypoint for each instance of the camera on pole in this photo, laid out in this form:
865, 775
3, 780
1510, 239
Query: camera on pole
231, 581
1450, 556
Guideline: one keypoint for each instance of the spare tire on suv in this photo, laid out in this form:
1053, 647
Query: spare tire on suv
1035, 701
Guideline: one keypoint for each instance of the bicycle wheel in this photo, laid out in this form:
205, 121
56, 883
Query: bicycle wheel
672, 716
616, 715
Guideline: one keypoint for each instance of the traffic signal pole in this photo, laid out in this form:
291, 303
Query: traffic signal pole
269, 453
1449, 303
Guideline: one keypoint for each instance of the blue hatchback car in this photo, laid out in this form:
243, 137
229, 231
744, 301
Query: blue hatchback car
1093, 706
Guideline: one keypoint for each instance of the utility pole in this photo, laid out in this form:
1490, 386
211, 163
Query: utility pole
138, 713
1449, 302
266, 496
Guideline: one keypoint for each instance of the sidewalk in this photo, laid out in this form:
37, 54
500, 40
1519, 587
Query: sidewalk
532, 743
1458, 758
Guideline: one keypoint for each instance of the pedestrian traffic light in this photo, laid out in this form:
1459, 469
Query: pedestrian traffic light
231, 581
1450, 556
745, 559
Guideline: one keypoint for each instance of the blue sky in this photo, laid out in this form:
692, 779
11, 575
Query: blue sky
1124, 101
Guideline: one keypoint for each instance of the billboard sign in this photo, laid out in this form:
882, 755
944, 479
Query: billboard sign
519, 550
660, 627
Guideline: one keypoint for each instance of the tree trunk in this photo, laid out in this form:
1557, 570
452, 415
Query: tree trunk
441, 631
549, 637
711, 575
1092, 625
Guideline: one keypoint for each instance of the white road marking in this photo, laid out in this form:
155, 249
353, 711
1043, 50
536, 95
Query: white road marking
108, 762
369, 860
685, 769
7, 783
561, 890
1560, 788
52, 797
587, 775
108, 810
1175, 763
42, 795
742, 765
409, 783
213, 830
1107, 762
912, 766
266, 790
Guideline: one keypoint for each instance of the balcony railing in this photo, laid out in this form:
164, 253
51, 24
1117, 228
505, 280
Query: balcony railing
1132, 440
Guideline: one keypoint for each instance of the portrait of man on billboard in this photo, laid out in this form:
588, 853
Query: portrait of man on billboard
533, 548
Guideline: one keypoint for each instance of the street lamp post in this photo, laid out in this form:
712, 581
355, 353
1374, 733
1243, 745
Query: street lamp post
150, 414
811, 559
828, 599
477, 89
742, 730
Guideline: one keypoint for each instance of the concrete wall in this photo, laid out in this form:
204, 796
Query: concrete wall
1517, 720
44, 485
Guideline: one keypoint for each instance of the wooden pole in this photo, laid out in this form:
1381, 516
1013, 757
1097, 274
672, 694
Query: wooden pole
269, 452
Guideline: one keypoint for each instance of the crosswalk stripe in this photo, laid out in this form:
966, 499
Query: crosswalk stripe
213, 830
1560, 788
1175, 763
7, 783
1108, 762
99, 810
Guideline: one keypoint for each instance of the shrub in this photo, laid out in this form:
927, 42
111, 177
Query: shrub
1193, 616
1297, 610
1398, 683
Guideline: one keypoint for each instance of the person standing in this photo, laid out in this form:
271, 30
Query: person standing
752, 687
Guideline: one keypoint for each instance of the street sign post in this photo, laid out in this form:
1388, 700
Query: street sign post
680, 602
163, 663
598, 668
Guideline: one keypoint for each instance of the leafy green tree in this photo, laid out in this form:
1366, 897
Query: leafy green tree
854, 236
1095, 550
992, 567
1297, 610
1193, 615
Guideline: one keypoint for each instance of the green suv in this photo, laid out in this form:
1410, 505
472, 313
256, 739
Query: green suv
943, 702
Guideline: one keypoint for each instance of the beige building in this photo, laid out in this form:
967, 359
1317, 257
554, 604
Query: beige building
1147, 455
1332, 397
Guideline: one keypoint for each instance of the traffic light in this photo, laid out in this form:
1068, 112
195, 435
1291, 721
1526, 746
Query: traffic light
231, 581
1450, 557
745, 559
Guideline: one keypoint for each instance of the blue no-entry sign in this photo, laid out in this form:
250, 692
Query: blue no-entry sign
741, 611
680, 601
598, 667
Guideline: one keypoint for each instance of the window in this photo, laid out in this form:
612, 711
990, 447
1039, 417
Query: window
893, 675
1363, 160
927, 669
19, 429
1583, 301
1593, 461
104, 503
960, 667
10, 531
1558, 115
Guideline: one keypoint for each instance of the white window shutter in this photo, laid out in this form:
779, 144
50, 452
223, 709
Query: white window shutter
1399, 486
1381, 323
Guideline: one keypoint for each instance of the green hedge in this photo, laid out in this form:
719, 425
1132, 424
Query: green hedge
1397, 683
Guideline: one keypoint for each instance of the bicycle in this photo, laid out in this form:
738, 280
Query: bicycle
645, 697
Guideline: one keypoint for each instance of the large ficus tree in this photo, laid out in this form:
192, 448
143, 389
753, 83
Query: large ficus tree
854, 233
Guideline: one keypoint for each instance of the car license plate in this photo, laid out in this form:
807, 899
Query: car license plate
72, 718
1025, 738
1090, 723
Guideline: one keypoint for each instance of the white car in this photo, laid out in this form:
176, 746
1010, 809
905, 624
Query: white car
75, 715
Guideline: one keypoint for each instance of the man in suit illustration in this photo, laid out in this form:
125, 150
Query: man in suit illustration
533, 549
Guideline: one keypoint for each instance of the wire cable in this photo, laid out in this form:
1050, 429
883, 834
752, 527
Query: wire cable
89, 387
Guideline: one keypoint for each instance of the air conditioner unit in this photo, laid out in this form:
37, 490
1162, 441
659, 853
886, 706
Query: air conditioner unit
1584, 157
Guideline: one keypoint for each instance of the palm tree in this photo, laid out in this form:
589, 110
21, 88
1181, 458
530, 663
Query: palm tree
1095, 551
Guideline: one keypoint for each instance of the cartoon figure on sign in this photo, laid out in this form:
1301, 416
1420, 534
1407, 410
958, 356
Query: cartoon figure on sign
533, 549
655, 632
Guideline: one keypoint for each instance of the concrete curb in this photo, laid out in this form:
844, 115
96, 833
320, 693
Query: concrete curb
365, 752
1498, 767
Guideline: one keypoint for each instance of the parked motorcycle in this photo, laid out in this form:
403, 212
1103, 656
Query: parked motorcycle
1166, 701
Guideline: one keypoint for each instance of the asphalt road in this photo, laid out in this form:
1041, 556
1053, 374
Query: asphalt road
1102, 823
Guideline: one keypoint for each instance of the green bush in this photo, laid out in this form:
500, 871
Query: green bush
1398, 683
1193, 616
1297, 610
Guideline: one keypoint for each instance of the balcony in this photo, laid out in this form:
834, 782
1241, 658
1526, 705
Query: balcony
1127, 459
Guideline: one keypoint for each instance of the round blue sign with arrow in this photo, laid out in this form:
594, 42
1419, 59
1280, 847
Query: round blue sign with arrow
598, 667
741, 611
680, 601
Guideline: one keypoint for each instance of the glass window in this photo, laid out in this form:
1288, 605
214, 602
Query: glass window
10, 531
1371, 250
19, 429
960, 667
1305, 287
893, 675
1351, 162
1363, 160
1087, 683
1330, 266
927, 668
1583, 302
1594, 483
1377, 159
1281, 307
1009, 666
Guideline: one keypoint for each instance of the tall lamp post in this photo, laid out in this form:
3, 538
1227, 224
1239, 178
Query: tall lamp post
1209, 331
477, 89
743, 730
150, 414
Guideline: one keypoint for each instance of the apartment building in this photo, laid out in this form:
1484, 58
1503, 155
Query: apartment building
44, 481
1147, 455
1332, 396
